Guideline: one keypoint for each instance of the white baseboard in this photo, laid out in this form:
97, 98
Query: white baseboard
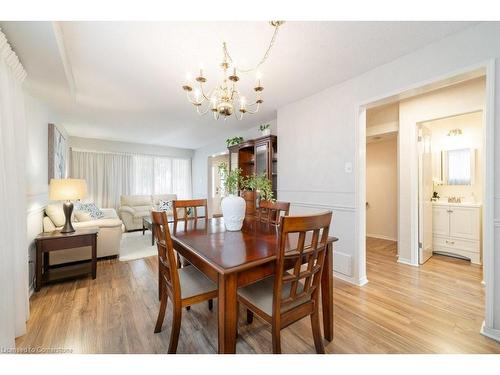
351, 280
381, 237
492, 333
407, 262
363, 281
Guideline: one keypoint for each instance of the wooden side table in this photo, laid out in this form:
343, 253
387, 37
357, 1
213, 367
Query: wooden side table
53, 241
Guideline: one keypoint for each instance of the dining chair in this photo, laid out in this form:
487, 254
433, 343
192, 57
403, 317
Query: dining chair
184, 286
292, 293
187, 205
270, 212
189, 208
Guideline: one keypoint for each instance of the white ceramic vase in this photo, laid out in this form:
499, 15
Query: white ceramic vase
266, 132
233, 211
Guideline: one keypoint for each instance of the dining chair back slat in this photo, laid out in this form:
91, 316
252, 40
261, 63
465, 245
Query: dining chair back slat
188, 204
307, 259
167, 260
271, 212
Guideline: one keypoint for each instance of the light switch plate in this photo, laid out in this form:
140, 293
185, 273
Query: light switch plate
348, 167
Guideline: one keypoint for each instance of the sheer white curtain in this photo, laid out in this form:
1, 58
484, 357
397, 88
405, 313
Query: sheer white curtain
111, 175
14, 306
181, 178
108, 176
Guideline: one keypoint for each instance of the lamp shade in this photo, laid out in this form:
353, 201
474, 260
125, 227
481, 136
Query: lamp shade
67, 189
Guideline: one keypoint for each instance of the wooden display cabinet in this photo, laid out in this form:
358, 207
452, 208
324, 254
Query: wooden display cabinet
255, 157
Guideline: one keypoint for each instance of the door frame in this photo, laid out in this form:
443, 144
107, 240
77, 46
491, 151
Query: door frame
209, 179
420, 189
488, 69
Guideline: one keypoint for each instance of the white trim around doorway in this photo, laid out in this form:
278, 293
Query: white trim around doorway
488, 202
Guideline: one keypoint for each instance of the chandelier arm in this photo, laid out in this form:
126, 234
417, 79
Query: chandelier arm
201, 112
234, 91
255, 111
238, 115
264, 58
203, 92
194, 102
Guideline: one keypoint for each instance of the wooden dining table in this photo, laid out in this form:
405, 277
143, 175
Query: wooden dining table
235, 259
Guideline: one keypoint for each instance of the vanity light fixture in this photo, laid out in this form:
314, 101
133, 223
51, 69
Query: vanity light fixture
454, 132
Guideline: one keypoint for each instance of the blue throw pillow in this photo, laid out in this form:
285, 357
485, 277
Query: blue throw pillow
165, 205
90, 208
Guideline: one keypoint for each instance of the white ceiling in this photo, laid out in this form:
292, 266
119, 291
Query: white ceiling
127, 76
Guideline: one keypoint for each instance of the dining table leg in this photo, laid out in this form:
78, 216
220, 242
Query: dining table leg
228, 313
327, 294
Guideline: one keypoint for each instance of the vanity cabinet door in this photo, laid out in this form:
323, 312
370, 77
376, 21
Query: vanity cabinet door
440, 221
465, 222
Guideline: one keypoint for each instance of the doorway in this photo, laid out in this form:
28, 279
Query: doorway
214, 183
382, 177
451, 187
408, 224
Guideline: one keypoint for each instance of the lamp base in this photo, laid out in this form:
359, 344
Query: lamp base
68, 210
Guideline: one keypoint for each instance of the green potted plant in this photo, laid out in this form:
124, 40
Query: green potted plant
265, 129
233, 206
234, 141
258, 187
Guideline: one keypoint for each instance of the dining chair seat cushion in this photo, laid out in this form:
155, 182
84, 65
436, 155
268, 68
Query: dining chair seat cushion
260, 294
194, 283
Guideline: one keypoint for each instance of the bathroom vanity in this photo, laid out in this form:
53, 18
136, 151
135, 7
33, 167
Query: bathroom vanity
456, 229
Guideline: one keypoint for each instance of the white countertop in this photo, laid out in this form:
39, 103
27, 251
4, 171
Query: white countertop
464, 204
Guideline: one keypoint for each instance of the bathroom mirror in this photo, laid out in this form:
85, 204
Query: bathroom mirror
458, 166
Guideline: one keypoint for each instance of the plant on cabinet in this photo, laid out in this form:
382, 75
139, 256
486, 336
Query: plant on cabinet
265, 129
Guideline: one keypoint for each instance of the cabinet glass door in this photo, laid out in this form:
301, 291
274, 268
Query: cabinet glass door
261, 162
234, 160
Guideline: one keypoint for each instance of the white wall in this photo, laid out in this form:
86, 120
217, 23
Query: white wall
200, 158
93, 144
382, 189
317, 138
454, 100
38, 116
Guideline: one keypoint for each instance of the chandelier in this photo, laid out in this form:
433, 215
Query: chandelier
224, 98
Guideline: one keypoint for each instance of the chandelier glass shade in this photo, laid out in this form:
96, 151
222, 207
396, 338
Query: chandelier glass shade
225, 99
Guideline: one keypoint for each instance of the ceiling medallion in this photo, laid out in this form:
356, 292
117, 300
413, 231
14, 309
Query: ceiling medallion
224, 98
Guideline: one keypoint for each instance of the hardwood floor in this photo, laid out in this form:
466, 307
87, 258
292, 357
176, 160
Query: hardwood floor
436, 308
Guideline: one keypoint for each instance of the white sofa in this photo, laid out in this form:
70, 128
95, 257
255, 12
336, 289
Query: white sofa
133, 208
108, 239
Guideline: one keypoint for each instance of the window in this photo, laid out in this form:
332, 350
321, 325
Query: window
110, 175
161, 175
459, 167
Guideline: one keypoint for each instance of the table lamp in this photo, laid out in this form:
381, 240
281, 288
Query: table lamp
67, 189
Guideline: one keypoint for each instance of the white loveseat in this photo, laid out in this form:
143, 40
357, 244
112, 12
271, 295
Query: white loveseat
133, 208
108, 239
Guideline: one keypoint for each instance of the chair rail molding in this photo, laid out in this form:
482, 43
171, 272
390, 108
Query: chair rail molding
324, 206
